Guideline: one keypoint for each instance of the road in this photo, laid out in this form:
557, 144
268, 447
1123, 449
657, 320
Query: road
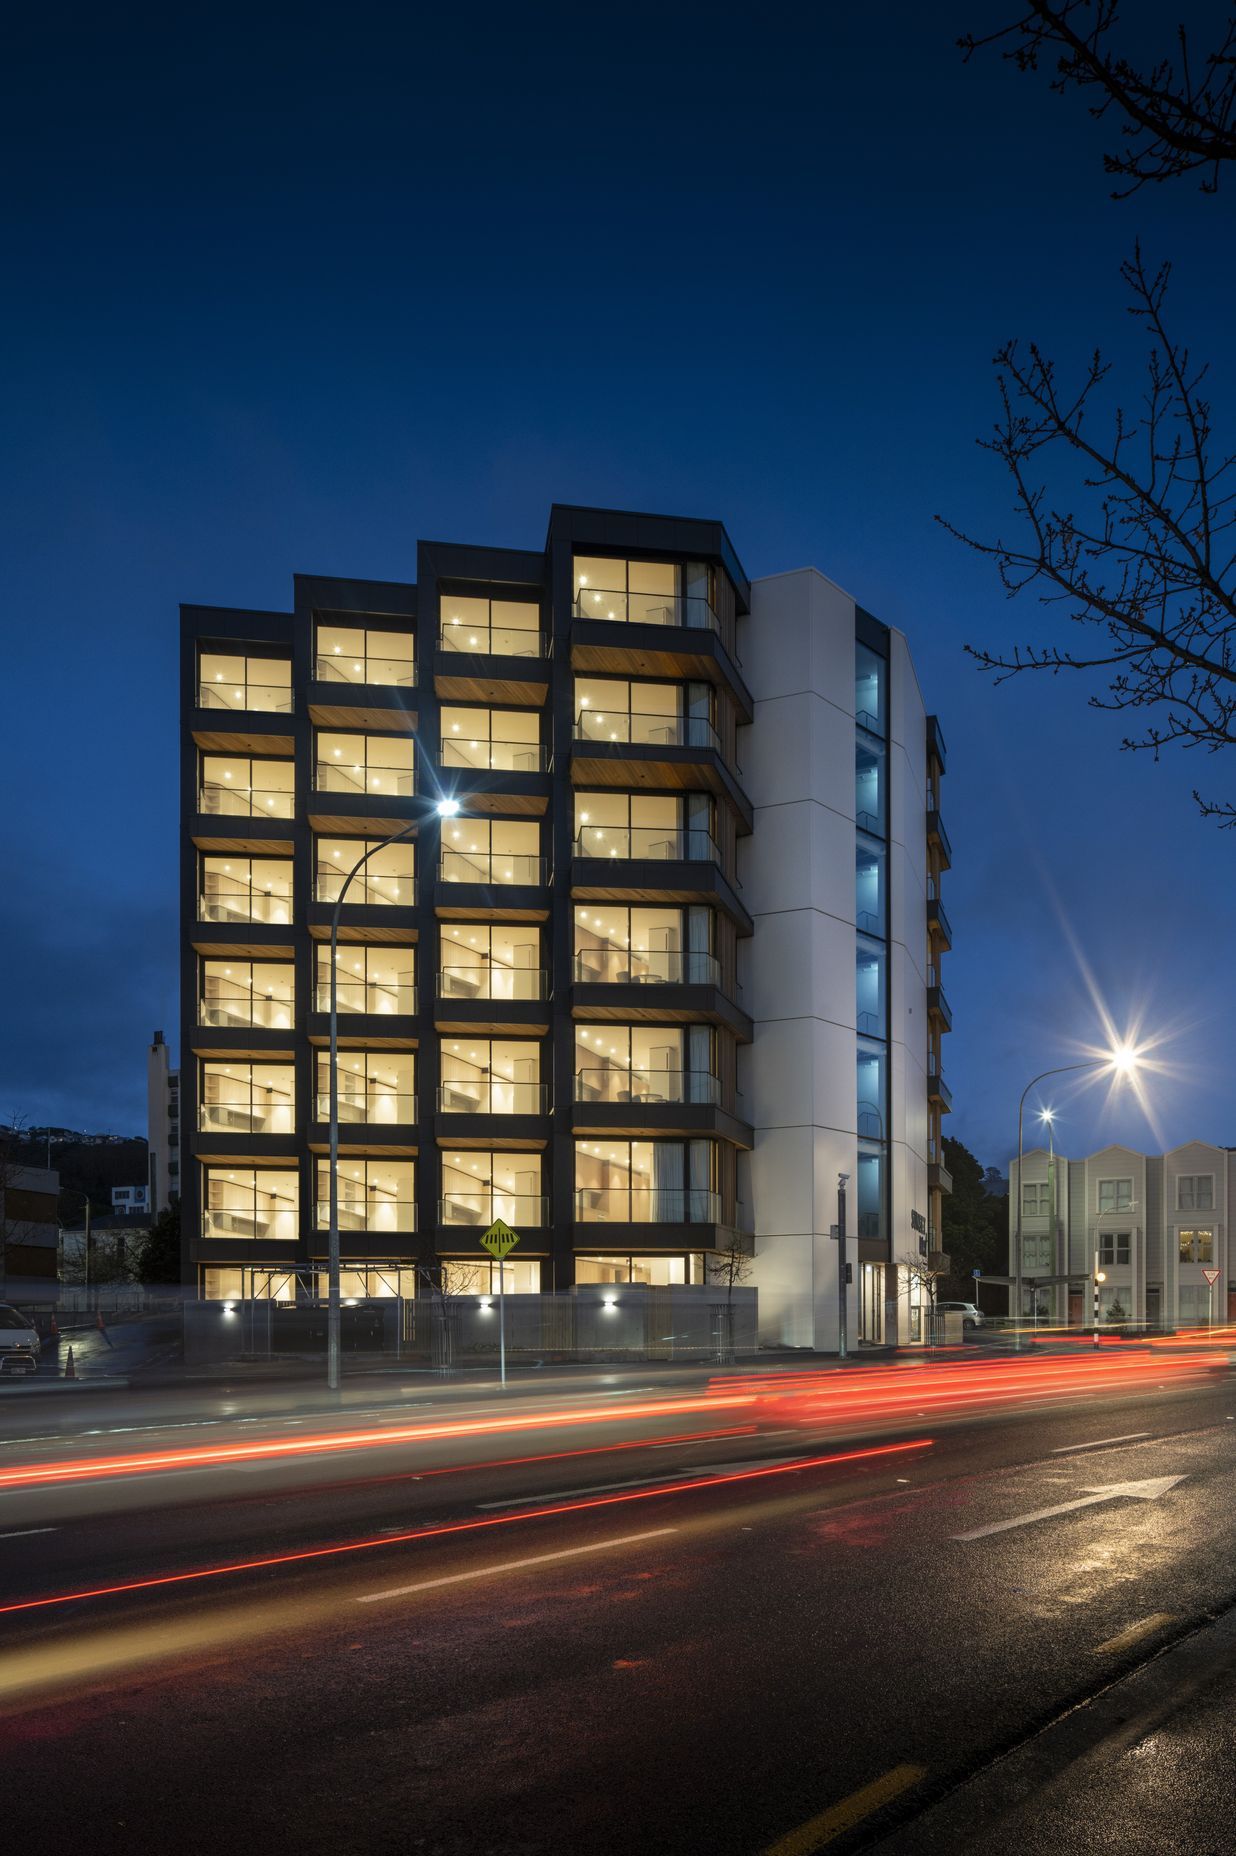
780, 1619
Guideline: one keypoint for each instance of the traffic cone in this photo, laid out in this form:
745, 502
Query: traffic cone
53, 1332
99, 1321
70, 1371
102, 1329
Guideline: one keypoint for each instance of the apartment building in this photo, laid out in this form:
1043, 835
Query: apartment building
671, 967
1154, 1224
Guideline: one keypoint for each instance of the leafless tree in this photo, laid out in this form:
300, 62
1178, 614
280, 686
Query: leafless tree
1135, 540
926, 1273
730, 1267
1176, 116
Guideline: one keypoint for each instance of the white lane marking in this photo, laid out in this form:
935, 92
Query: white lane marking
535, 1559
1099, 1442
1148, 1491
21, 1532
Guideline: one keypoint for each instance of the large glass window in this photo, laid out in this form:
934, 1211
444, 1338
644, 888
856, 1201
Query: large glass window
357, 654
500, 850
241, 1285
871, 975
247, 1098
491, 960
656, 1272
872, 1079
251, 1202
246, 889
646, 1182
655, 826
491, 1076
478, 1276
1195, 1192
621, 946
870, 1185
1115, 1247
374, 1195
645, 1063
644, 592
1115, 1195
870, 798
388, 877
380, 980
370, 1282
491, 627
506, 739
870, 690
238, 786
383, 765
248, 993
1197, 1246
479, 1186
227, 680
374, 1086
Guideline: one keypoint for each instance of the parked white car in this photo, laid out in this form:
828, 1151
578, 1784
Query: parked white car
19, 1341
971, 1316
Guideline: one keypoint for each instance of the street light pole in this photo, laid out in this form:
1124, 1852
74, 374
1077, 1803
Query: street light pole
842, 1311
445, 808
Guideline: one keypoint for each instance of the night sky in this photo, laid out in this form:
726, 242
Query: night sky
289, 288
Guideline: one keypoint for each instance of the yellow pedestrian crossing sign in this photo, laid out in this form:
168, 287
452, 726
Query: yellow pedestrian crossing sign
500, 1240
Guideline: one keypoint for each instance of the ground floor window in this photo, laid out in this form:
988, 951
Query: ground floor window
1197, 1246
478, 1276
243, 1285
657, 1272
1194, 1301
366, 1282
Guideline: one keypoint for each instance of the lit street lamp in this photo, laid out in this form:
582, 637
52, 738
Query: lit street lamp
1123, 1061
445, 808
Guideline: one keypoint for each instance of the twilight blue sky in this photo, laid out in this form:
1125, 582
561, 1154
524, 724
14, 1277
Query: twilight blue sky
291, 286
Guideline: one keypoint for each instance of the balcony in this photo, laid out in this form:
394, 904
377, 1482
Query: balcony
938, 837
646, 843
938, 1008
646, 731
645, 966
463, 639
362, 783
939, 1179
266, 698
646, 1205
247, 1117
495, 868
463, 1096
662, 609
495, 756
248, 1223
368, 889
935, 742
493, 982
379, 1218
938, 1090
229, 899
938, 923
237, 1008
215, 801
369, 671
370, 997
476, 1211
644, 1087
377, 1108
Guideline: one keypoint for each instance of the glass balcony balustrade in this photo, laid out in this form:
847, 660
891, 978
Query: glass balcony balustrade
652, 730
492, 1096
227, 897
479, 1209
492, 982
497, 756
632, 608
492, 867
610, 1084
372, 1215
379, 998
640, 966
653, 843
646, 1205
374, 1106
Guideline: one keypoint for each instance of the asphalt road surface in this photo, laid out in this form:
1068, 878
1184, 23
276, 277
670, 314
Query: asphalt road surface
615, 1619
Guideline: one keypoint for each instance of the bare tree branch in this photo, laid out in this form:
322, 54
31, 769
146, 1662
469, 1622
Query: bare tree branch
1178, 116
1136, 540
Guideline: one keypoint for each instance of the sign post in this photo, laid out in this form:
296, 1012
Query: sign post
499, 1241
1212, 1277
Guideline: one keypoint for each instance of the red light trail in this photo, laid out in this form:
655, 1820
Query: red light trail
465, 1527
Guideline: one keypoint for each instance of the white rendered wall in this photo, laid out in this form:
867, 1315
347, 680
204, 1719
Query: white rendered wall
797, 871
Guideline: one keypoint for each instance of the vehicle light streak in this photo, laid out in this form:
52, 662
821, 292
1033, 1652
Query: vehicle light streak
307, 1554
205, 1456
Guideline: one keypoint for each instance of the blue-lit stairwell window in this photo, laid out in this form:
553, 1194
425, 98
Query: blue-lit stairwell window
870, 691
870, 886
871, 1089
870, 1189
870, 987
870, 785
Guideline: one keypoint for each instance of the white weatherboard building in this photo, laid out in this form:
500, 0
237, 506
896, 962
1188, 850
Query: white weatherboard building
841, 875
1155, 1223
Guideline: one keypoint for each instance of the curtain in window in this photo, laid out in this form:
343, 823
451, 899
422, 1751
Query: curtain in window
699, 1161
667, 1183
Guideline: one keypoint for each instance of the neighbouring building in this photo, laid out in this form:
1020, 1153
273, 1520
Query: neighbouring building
673, 967
29, 1233
129, 1200
1152, 1223
162, 1127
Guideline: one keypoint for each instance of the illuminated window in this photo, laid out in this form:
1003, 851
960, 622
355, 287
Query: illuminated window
228, 681
491, 1076
359, 654
615, 945
374, 766
1197, 1246
237, 786
374, 1195
491, 627
645, 592
247, 1098
479, 1186
492, 851
491, 960
247, 993
646, 1182
386, 879
374, 979
507, 739
372, 1086
255, 1203
246, 889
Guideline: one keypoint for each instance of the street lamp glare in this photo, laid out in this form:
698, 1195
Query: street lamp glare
1047, 1114
1124, 1059
447, 808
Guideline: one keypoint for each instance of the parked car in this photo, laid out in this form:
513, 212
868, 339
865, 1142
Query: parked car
971, 1316
19, 1341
